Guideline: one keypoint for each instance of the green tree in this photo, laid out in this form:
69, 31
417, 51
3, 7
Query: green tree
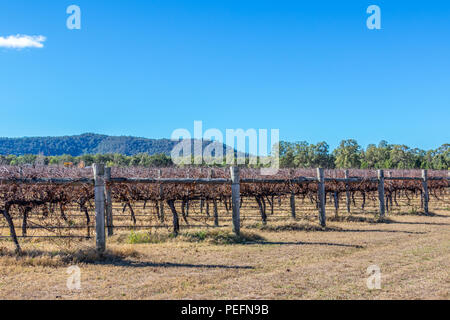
160, 160
121, 160
88, 159
401, 157
287, 154
302, 154
376, 157
441, 158
348, 154
319, 156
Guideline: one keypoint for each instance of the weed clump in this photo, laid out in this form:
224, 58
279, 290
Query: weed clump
292, 226
146, 237
220, 237
209, 236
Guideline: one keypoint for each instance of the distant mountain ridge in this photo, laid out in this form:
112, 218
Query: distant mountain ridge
88, 143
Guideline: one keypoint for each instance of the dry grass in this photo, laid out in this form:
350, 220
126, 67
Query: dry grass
67, 257
282, 260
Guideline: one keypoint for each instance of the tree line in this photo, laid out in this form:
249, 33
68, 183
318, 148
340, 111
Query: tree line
112, 160
349, 154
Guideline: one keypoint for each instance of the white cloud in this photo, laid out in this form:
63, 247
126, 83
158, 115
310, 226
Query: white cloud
22, 41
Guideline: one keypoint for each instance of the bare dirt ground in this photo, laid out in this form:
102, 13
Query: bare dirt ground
292, 260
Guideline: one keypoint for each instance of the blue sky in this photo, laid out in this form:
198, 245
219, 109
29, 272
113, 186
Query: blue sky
309, 68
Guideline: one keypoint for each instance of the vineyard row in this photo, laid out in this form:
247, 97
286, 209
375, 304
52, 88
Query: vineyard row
23, 190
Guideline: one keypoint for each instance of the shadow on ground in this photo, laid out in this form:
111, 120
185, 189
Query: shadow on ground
316, 228
302, 243
141, 264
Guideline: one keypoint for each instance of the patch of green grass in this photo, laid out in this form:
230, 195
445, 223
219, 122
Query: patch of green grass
197, 235
146, 237
414, 211
220, 237
352, 218
215, 236
292, 226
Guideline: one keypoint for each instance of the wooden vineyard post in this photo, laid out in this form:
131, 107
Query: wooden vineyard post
100, 239
321, 195
108, 204
293, 205
186, 208
381, 193
216, 211
202, 201
426, 196
387, 197
347, 191
292, 198
236, 199
161, 201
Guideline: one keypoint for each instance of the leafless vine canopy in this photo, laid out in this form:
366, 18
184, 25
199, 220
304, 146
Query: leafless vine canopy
40, 190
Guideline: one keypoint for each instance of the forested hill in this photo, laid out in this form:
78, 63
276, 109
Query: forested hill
84, 144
